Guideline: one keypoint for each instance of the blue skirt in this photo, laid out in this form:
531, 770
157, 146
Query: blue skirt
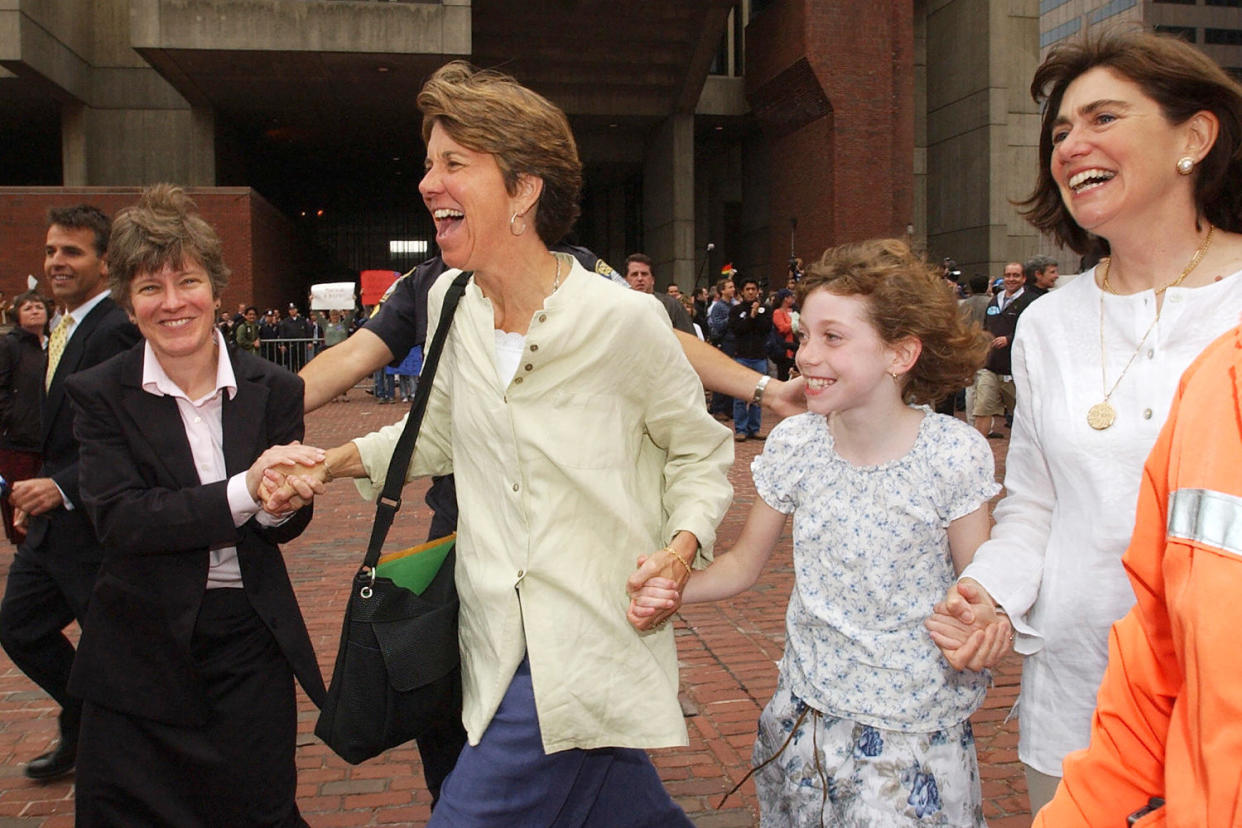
507, 779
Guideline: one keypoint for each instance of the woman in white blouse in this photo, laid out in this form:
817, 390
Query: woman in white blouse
1138, 160
576, 429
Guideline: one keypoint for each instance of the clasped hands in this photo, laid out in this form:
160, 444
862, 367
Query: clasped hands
286, 478
655, 587
968, 627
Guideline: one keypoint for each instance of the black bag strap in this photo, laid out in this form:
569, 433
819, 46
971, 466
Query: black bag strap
390, 498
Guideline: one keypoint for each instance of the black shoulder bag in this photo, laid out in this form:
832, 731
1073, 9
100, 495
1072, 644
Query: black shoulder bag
398, 665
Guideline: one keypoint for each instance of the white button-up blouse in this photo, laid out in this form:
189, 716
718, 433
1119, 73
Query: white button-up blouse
1054, 558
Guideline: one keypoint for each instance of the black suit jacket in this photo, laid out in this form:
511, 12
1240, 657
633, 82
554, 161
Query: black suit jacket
103, 333
156, 523
1004, 323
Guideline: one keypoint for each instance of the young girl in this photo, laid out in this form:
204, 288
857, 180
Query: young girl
868, 725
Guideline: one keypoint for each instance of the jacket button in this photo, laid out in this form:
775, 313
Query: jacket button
534, 348
529, 366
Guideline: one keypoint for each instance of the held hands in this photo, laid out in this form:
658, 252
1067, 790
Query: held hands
655, 587
286, 478
969, 629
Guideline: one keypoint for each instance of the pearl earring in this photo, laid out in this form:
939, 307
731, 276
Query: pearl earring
1185, 165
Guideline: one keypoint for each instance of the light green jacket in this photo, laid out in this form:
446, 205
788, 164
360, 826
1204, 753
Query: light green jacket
597, 451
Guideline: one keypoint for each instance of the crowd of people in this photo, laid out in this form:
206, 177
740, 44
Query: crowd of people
155, 458
291, 340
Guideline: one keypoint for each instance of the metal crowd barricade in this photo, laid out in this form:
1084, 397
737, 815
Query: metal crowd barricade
290, 353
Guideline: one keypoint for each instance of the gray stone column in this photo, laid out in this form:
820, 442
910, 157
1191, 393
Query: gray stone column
668, 201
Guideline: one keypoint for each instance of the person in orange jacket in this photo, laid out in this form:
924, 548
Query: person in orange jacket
1166, 738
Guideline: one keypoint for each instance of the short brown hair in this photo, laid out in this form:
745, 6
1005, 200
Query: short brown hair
641, 258
490, 112
83, 217
26, 298
1182, 81
906, 297
163, 228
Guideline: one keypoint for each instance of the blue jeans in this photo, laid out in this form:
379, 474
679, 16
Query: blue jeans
383, 385
407, 384
746, 415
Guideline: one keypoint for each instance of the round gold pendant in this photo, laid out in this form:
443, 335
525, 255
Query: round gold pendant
1101, 416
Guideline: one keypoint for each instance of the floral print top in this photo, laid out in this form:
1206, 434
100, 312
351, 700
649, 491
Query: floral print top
871, 559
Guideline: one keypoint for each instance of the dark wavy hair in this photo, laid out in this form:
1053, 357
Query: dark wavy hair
906, 297
1182, 81
489, 111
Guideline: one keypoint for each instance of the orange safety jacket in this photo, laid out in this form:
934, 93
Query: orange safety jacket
1168, 719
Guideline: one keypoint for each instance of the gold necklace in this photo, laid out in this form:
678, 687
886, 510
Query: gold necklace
1102, 414
556, 283
1194, 262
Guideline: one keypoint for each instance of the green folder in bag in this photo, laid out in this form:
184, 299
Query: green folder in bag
414, 568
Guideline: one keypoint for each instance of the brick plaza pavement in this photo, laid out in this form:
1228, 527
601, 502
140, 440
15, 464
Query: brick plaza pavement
728, 655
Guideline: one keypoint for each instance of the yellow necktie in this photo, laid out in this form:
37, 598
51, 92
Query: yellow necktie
56, 345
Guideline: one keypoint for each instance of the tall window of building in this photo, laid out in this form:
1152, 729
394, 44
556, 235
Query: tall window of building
1223, 37
731, 53
1109, 9
1056, 33
1186, 33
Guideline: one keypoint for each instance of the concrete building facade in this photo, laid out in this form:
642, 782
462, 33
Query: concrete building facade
760, 128
977, 149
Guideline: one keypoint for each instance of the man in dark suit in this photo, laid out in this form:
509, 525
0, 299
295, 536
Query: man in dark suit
53, 572
994, 390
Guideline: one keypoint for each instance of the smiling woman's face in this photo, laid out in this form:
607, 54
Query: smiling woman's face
175, 310
1114, 153
464, 190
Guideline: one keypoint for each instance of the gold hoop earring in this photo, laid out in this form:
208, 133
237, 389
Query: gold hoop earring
1185, 165
513, 227
896, 377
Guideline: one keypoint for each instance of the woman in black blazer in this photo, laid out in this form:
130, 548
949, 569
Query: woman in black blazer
193, 636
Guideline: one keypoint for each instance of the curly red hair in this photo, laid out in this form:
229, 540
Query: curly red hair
906, 297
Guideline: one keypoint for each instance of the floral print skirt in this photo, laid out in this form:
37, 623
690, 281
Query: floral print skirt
838, 772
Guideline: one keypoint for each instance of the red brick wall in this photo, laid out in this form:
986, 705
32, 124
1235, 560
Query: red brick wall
833, 85
260, 244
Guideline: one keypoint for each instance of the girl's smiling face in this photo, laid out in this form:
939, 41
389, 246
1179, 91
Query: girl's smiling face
842, 358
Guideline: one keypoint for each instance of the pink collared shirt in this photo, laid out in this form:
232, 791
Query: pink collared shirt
205, 432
